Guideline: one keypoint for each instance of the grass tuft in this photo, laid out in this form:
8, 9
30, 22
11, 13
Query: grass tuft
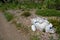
8, 16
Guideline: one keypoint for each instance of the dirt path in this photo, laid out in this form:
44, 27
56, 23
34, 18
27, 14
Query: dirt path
8, 31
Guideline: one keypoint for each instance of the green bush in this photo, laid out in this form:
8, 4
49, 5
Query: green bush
48, 12
8, 16
26, 14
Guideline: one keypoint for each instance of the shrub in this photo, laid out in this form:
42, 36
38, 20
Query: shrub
8, 16
26, 14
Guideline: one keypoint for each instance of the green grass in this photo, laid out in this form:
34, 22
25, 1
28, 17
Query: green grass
26, 14
25, 5
8, 16
9, 6
48, 12
31, 5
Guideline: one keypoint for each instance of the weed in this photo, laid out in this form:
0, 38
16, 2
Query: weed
8, 16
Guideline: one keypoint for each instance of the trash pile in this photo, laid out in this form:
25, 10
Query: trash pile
41, 24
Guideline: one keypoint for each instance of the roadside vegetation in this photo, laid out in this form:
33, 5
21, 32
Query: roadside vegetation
48, 12
25, 6
29, 4
8, 16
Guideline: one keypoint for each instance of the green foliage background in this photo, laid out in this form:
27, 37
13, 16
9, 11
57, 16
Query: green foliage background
17, 4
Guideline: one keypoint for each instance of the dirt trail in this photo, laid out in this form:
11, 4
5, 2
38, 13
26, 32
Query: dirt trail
8, 31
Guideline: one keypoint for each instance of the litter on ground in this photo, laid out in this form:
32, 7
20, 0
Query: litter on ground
41, 24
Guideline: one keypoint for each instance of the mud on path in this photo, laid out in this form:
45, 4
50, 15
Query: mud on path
9, 31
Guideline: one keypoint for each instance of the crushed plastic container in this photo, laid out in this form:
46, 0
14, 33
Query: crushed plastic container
41, 24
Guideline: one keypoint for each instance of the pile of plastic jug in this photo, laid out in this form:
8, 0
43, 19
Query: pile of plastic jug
41, 24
